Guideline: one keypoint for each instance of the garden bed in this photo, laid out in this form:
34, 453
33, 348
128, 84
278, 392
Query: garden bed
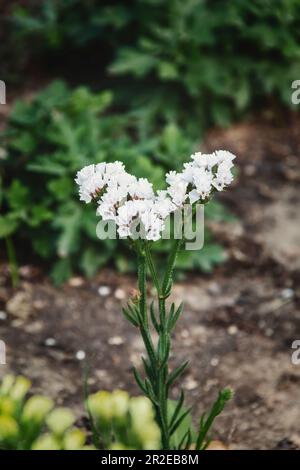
238, 325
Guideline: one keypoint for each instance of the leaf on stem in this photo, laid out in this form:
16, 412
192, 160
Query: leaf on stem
176, 373
139, 381
148, 369
179, 421
130, 317
177, 408
153, 318
206, 421
186, 441
165, 355
150, 393
174, 316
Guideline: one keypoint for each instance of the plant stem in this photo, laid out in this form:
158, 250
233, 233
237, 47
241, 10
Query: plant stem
165, 337
156, 368
170, 267
142, 285
12, 259
157, 376
152, 268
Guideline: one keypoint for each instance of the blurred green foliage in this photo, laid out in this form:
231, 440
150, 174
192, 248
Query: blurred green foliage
46, 141
34, 423
198, 62
117, 420
122, 422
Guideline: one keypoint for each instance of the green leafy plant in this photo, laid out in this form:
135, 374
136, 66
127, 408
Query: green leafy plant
179, 59
121, 422
34, 423
214, 62
46, 141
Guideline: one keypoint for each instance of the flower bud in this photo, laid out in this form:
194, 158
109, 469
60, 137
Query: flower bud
20, 388
143, 424
36, 408
135, 296
46, 442
59, 420
6, 384
101, 406
74, 439
120, 404
8, 428
7, 406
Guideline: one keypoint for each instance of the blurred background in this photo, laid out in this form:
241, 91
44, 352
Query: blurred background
148, 82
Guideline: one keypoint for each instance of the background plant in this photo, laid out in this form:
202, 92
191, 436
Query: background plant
179, 59
34, 423
46, 141
122, 422
175, 68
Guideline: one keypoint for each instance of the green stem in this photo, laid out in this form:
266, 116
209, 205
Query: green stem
170, 267
157, 378
142, 285
158, 359
152, 268
12, 259
164, 338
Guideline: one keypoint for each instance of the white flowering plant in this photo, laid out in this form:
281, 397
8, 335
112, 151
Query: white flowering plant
129, 202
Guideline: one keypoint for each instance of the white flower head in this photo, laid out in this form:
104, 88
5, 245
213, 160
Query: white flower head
223, 175
92, 179
141, 189
90, 182
133, 205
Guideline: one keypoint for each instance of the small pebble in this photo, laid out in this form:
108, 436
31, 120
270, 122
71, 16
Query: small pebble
104, 291
17, 323
39, 304
185, 333
50, 342
76, 281
214, 288
214, 362
191, 384
115, 341
232, 330
80, 355
120, 294
287, 293
3, 315
269, 332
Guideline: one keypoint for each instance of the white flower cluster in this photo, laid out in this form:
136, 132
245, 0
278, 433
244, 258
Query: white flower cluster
130, 202
200, 177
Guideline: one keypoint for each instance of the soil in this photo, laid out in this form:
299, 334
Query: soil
239, 322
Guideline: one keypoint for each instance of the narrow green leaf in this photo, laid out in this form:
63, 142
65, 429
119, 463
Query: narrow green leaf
176, 373
153, 318
150, 392
207, 422
187, 437
139, 380
174, 318
179, 421
129, 317
177, 408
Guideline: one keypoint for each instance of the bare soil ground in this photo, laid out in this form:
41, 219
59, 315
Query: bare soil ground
239, 322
